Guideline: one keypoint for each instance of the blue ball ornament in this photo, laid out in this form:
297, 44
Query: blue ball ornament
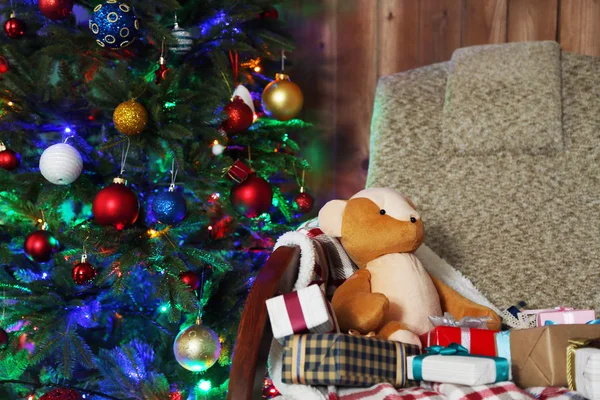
169, 208
114, 24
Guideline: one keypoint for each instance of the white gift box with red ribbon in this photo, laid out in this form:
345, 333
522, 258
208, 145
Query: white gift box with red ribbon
303, 311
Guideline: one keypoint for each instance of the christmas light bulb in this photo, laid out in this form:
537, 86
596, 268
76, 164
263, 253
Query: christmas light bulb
204, 385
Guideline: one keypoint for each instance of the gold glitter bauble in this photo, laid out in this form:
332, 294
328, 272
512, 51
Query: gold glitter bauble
282, 99
130, 118
197, 348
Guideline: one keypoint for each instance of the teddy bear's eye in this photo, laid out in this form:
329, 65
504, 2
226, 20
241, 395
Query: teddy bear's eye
413, 219
382, 212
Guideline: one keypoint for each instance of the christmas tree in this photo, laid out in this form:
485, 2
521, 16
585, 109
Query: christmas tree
139, 194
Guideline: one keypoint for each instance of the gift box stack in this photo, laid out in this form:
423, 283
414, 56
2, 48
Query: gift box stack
558, 351
460, 352
550, 347
316, 353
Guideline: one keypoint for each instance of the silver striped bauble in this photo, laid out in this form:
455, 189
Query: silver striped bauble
184, 40
61, 164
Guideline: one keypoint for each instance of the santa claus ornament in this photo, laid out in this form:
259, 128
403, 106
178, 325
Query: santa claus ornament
239, 116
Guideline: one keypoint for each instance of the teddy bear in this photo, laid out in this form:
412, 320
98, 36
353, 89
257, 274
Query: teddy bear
391, 293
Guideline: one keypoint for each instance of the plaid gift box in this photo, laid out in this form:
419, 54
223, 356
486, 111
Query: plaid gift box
344, 360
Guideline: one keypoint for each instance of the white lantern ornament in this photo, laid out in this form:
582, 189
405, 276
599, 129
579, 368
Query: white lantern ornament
61, 164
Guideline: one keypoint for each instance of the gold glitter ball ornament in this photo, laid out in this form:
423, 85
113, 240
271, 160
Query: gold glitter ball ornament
282, 99
197, 348
130, 118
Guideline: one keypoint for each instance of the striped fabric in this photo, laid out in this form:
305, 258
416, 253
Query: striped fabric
344, 360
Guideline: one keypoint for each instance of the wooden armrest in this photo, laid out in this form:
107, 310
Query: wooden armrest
254, 334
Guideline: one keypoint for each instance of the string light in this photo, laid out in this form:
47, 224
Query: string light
204, 385
10, 104
68, 130
253, 64
153, 233
217, 148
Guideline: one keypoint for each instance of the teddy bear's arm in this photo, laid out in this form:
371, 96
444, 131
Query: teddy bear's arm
356, 307
459, 306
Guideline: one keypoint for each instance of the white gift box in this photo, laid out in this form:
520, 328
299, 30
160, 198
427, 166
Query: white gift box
587, 372
303, 311
460, 370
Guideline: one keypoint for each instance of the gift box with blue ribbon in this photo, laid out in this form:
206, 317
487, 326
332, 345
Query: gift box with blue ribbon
345, 360
454, 364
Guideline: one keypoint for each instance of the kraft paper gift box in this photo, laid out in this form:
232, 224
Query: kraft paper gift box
583, 367
476, 341
561, 315
302, 311
345, 360
457, 367
539, 355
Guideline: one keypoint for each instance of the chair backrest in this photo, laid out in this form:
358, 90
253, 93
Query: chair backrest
254, 337
499, 149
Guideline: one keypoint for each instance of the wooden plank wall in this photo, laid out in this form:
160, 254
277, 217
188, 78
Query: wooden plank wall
351, 43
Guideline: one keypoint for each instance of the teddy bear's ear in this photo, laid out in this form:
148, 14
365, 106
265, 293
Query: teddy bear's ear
330, 217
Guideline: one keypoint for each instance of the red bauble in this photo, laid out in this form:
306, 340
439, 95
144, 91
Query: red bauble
270, 13
9, 160
61, 394
4, 65
3, 339
161, 73
191, 279
56, 9
116, 205
83, 273
252, 197
240, 116
305, 202
15, 27
40, 246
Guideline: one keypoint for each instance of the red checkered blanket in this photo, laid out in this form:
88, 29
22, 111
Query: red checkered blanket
445, 391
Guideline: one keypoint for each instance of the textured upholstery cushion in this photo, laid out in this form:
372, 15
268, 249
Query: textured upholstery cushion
522, 225
488, 110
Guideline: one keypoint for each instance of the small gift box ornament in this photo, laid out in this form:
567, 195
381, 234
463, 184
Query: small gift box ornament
345, 360
583, 367
239, 171
454, 364
302, 311
562, 315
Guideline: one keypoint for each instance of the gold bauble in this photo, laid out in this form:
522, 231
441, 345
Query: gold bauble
130, 118
197, 348
282, 99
